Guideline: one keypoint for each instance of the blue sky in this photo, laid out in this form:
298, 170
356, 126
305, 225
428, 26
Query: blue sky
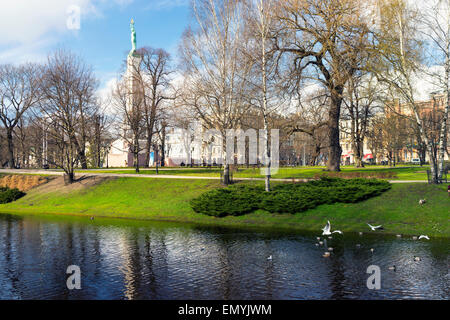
32, 28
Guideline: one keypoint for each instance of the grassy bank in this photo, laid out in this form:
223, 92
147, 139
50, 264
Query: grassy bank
168, 199
399, 173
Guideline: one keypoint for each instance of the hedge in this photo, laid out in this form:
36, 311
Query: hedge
9, 195
286, 198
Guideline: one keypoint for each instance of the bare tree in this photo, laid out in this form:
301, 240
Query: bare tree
215, 75
400, 60
129, 106
259, 51
19, 92
360, 104
328, 41
436, 20
311, 119
153, 75
68, 86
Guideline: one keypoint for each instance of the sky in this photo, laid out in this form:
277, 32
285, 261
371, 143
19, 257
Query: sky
30, 29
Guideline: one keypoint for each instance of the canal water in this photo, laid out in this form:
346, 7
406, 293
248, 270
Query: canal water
149, 260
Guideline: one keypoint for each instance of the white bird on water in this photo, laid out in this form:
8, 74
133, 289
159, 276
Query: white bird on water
374, 228
269, 258
424, 237
327, 230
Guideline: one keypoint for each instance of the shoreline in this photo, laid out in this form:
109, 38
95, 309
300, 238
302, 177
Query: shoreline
215, 224
167, 200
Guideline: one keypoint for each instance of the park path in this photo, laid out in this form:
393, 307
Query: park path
165, 176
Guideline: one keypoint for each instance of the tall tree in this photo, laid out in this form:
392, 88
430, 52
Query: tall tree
436, 21
129, 106
153, 73
215, 75
261, 25
400, 58
360, 104
19, 92
68, 86
328, 41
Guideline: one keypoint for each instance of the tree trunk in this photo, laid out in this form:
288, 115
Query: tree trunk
335, 150
163, 145
83, 160
148, 146
443, 133
358, 153
136, 154
9, 136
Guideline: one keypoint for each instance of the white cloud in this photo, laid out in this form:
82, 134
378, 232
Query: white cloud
22, 23
29, 27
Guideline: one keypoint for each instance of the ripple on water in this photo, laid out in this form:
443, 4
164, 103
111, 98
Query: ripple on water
160, 261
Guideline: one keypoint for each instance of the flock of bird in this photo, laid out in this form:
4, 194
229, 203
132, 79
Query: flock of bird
326, 231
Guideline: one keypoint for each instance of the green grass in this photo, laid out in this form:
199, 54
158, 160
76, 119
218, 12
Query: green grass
168, 200
401, 172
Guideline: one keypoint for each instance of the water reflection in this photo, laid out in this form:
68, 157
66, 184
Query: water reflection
139, 260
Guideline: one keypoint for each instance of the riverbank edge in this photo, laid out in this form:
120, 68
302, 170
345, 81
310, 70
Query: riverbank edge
257, 220
217, 222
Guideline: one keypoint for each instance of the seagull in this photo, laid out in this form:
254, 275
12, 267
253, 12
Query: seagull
375, 227
327, 230
269, 258
422, 201
424, 237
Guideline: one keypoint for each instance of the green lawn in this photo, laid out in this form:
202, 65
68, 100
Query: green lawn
400, 172
163, 199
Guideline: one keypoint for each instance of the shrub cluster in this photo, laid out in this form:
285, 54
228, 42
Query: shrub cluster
9, 195
286, 198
